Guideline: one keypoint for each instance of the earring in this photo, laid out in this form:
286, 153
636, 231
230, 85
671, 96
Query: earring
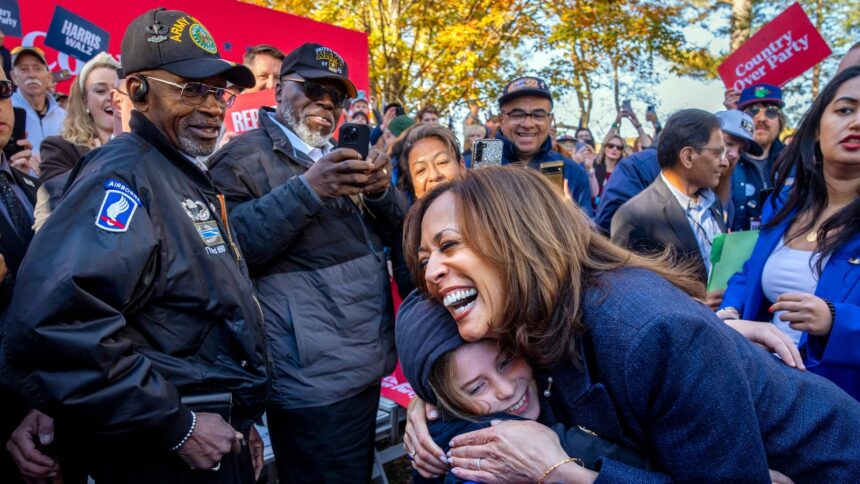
88, 110
547, 392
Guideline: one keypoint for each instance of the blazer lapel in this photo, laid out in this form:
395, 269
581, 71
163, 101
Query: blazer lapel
577, 399
676, 220
841, 273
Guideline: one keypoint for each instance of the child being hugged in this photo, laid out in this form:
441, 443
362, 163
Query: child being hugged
473, 384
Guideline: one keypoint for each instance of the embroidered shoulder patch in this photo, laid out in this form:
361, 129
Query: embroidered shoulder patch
118, 207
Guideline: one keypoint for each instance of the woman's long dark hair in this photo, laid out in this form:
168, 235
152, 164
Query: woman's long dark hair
808, 194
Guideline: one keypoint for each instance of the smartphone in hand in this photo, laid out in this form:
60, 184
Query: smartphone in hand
355, 136
19, 131
487, 152
554, 171
626, 107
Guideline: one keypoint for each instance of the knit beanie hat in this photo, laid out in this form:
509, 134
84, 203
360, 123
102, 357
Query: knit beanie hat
424, 332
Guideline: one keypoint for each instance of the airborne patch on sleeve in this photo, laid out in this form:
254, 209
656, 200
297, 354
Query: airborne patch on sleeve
118, 207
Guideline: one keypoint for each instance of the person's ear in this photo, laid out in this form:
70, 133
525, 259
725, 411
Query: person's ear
137, 91
279, 91
686, 156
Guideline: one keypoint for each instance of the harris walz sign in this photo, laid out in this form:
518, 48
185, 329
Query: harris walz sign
75, 36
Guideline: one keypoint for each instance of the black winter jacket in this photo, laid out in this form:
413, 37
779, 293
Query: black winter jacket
318, 266
113, 320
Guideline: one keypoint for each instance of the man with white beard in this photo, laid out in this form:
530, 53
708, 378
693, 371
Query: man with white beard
312, 222
30, 73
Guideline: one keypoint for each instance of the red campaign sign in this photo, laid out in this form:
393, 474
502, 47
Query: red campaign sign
234, 26
395, 387
244, 114
783, 49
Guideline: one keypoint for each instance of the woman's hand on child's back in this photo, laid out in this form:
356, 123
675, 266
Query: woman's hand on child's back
427, 458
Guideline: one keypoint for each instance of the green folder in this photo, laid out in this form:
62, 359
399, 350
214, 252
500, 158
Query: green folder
728, 254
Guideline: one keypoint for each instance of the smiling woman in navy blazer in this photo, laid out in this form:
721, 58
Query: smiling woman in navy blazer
804, 271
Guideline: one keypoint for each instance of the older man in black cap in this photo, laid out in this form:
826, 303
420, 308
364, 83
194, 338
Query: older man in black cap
149, 352
312, 221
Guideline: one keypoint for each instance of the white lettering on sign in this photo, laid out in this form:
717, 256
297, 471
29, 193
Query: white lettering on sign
772, 56
245, 120
6, 18
80, 38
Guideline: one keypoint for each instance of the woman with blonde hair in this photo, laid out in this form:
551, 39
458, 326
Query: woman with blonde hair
89, 117
613, 150
620, 346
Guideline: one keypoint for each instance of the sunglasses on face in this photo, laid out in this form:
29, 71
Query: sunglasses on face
7, 88
613, 146
772, 112
316, 91
194, 93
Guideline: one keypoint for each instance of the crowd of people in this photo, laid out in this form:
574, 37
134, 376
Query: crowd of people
167, 286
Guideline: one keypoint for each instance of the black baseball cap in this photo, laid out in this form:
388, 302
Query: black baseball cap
178, 43
525, 86
316, 61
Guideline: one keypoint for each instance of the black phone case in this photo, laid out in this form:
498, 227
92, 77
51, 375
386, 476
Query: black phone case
18, 132
355, 136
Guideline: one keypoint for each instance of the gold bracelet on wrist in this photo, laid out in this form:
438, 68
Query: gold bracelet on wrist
565, 461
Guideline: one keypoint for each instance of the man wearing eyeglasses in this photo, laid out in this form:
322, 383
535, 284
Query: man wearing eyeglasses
526, 116
312, 221
752, 177
679, 209
30, 73
149, 353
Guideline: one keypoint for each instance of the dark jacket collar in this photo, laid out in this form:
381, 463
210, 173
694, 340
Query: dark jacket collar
509, 153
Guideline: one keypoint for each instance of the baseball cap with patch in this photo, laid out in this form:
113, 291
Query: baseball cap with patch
761, 93
315, 61
740, 125
179, 44
525, 86
36, 52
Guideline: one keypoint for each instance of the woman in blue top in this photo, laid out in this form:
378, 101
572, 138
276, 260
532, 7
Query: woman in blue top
803, 272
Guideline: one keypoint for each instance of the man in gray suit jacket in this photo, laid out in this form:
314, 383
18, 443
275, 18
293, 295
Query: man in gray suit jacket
679, 210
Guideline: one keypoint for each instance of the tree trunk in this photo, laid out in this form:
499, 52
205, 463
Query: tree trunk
741, 22
816, 71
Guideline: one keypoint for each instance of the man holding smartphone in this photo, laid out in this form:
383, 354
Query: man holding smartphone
526, 115
312, 221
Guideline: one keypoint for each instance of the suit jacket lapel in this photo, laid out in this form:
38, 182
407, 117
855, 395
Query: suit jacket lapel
676, 220
841, 273
577, 399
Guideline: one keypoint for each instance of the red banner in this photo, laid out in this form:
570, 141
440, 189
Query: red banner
234, 26
243, 114
783, 49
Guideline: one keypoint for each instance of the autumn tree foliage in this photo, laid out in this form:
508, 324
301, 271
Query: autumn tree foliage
439, 52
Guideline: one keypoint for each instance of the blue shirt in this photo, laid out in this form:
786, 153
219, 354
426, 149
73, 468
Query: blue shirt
577, 179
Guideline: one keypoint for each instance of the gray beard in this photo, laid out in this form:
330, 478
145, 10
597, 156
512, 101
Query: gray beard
317, 140
195, 147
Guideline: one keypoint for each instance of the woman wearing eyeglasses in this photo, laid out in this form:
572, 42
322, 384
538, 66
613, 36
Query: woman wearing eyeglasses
804, 271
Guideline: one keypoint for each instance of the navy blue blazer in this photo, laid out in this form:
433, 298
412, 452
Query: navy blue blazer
663, 374
837, 356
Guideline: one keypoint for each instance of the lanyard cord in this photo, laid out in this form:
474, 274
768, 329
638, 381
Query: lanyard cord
233, 248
